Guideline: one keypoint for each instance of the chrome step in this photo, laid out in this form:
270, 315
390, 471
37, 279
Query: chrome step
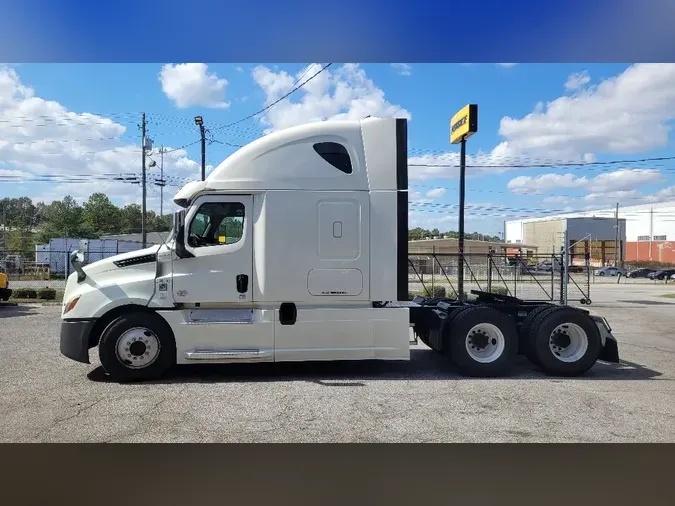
228, 355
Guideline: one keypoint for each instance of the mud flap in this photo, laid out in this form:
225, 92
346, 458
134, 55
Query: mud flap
610, 352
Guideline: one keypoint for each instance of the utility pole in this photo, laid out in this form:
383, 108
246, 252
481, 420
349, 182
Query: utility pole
144, 231
161, 178
200, 123
616, 237
651, 231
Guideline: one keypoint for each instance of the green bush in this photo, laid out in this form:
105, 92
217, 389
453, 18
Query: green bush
499, 290
438, 291
24, 293
46, 294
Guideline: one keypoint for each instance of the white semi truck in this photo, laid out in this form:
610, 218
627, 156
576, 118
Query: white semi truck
295, 248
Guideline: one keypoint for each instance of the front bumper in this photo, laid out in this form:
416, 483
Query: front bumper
76, 339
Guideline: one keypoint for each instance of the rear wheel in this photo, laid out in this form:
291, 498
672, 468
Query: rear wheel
481, 341
565, 342
137, 346
524, 331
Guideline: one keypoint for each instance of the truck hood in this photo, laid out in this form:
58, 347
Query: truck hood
138, 257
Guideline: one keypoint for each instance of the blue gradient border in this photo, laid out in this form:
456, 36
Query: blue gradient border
346, 30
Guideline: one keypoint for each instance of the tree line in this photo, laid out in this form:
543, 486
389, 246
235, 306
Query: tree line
416, 234
25, 223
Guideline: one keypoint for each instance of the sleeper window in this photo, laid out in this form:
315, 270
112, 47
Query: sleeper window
335, 154
217, 223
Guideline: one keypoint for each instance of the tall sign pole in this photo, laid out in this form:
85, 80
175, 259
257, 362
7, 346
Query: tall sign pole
462, 126
144, 226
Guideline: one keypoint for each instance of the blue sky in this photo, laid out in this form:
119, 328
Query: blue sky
530, 114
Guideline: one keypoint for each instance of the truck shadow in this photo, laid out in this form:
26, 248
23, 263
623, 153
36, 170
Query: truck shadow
11, 311
424, 365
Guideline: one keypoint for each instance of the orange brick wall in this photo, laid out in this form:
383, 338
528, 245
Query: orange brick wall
662, 251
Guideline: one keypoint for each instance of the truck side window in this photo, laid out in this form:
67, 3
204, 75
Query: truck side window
217, 223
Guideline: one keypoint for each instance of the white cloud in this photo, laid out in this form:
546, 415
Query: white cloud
343, 93
507, 65
41, 139
577, 81
436, 193
402, 68
190, 85
446, 165
629, 113
617, 181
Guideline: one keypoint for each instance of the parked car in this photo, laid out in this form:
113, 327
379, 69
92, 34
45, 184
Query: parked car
662, 274
642, 272
610, 271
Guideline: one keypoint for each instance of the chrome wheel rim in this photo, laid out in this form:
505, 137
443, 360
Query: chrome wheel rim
485, 343
137, 348
568, 342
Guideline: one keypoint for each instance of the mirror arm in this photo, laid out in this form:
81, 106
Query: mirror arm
75, 262
181, 251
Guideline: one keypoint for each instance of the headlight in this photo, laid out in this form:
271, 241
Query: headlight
71, 304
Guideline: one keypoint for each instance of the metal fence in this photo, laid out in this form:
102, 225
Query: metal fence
537, 278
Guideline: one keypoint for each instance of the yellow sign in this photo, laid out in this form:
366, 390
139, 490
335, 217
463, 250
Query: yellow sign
464, 124
222, 239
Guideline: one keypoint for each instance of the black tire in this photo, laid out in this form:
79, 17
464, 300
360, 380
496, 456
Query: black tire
447, 323
540, 334
524, 331
455, 336
528, 332
601, 274
153, 323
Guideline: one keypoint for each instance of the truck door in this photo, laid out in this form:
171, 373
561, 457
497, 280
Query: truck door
219, 235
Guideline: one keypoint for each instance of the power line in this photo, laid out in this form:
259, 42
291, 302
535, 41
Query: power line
550, 165
293, 90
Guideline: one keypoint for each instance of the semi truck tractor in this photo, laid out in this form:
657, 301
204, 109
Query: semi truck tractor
295, 248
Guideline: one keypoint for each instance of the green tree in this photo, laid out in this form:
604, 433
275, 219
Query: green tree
100, 215
64, 219
131, 217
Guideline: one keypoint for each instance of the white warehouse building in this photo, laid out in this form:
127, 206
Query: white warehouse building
646, 232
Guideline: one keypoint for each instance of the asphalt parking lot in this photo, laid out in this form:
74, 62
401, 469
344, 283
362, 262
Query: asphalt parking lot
45, 397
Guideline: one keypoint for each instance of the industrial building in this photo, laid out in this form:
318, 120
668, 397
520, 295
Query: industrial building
648, 232
603, 238
449, 245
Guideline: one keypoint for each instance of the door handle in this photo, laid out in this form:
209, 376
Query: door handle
242, 283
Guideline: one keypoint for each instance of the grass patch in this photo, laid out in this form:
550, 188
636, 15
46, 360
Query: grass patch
668, 295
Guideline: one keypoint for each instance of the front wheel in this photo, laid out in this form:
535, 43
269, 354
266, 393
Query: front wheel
137, 346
